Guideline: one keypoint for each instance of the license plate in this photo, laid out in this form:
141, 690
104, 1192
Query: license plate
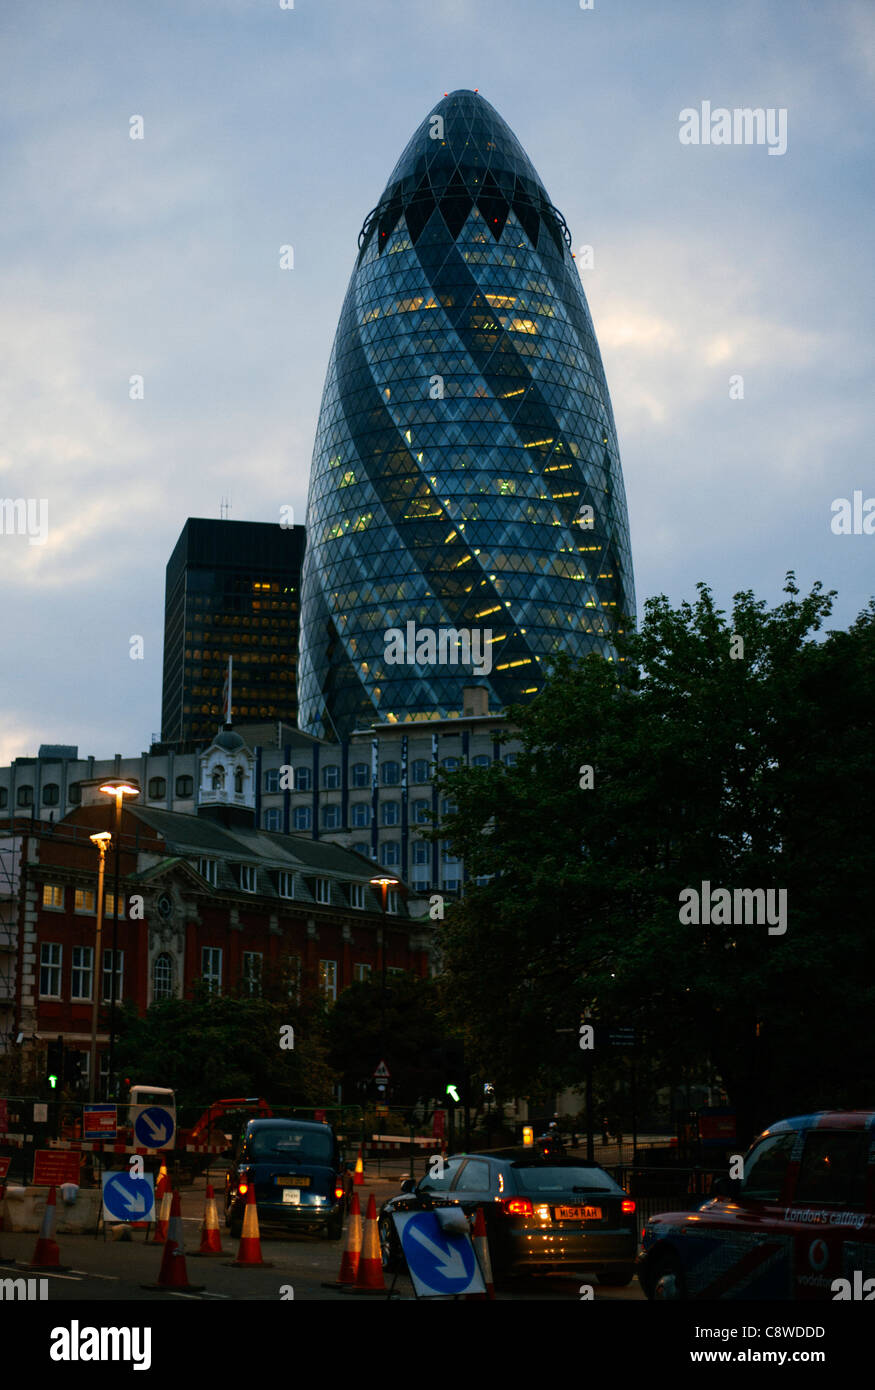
291, 1181
292, 1196
578, 1213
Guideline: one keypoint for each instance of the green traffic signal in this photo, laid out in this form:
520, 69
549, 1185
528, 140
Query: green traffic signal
53, 1081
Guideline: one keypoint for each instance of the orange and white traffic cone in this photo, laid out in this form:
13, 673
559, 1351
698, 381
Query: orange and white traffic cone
370, 1271
46, 1254
481, 1250
173, 1274
349, 1262
249, 1252
211, 1241
358, 1177
163, 1199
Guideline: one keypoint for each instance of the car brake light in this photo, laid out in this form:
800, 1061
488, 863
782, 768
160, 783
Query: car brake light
339, 1192
243, 1188
627, 1207
516, 1206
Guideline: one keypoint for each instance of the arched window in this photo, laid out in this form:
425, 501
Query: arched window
162, 977
238, 781
218, 778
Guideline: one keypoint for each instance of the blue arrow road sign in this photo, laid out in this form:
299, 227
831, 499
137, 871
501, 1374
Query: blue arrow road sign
126, 1198
154, 1127
438, 1263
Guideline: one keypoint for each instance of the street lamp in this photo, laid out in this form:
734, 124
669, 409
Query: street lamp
102, 839
119, 788
384, 882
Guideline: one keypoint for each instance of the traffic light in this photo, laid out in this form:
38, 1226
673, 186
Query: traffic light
55, 1062
448, 1064
72, 1068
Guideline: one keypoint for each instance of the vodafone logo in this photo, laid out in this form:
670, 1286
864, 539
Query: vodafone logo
818, 1254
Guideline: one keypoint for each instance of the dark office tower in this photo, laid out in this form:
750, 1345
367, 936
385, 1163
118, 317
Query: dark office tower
465, 428
232, 589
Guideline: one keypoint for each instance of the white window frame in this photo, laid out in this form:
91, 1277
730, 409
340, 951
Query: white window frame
211, 956
323, 891
54, 963
328, 979
285, 879
251, 978
53, 890
106, 975
356, 895
248, 878
83, 968
85, 895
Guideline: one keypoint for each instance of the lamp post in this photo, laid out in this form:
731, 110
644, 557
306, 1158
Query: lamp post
102, 839
119, 789
384, 882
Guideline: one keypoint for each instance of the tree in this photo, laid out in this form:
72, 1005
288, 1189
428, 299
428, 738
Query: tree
403, 1029
745, 765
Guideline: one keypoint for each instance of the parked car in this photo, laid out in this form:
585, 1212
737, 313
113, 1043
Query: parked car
295, 1168
542, 1212
801, 1219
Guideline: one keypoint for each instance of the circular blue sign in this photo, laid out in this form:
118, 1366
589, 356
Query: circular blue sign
441, 1263
154, 1127
127, 1198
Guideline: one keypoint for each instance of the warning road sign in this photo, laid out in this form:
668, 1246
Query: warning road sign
99, 1122
155, 1127
382, 1072
439, 1263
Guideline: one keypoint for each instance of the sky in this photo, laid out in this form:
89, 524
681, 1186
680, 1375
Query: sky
265, 127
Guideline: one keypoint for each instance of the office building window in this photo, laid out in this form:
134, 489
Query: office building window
209, 869
392, 901
356, 895
361, 971
390, 853
391, 774
51, 794
390, 813
53, 896
83, 900
303, 779
421, 852
273, 819
162, 977
421, 770
361, 847
24, 796
331, 817
248, 878
211, 968
50, 970
481, 760
361, 775
302, 818
82, 968
252, 961
74, 793
285, 884
184, 786
328, 978
323, 890
450, 764
272, 780
421, 811
157, 788
361, 814
106, 984
331, 777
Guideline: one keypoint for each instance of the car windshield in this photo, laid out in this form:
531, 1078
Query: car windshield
545, 1178
293, 1145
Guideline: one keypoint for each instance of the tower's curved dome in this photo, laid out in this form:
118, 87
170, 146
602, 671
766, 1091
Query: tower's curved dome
465, 422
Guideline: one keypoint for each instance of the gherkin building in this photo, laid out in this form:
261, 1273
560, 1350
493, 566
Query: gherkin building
466, 479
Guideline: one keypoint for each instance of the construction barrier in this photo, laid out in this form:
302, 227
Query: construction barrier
481, 1250
349, 1262
358, 1176
369, 1278
46, 1254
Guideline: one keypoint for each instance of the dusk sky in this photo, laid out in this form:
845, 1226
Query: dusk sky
265, 127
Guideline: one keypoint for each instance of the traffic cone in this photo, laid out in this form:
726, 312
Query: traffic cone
249, 1252
173, 1274
370, 1271
481, 1250
358, 1177
162, 1190
211, 1241
349, 1261
46, 1254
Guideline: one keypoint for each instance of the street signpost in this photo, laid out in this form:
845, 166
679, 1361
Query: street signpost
99, 1122
128, 1198
154, 1126
441, 1265
52, 1167
382, 1072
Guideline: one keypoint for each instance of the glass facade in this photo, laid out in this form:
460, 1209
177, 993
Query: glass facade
465, 428
232, 590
